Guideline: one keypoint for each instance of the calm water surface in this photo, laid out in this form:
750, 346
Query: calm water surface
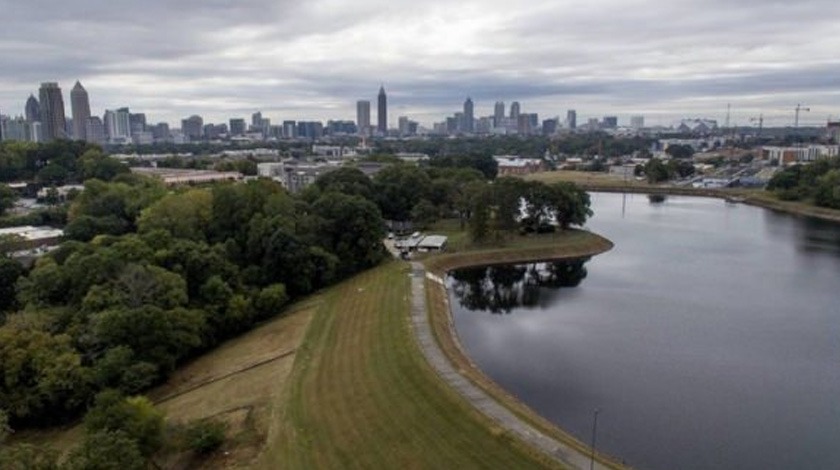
709, 337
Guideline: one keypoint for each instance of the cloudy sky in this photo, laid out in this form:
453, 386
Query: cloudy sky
313, 59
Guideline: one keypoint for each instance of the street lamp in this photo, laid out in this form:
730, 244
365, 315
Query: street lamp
594, 433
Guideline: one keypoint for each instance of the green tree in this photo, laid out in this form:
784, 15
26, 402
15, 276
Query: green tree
206, 436
106, 450
7, 199
680, 151
135, 416
352, 229
346, 180
572, 205
42, 379
399, 188
827, 191
10, 272
184, 215
657, 171
27, 457
424, 213
271, 300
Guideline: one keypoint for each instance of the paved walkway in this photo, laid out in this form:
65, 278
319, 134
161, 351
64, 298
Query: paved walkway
477, 397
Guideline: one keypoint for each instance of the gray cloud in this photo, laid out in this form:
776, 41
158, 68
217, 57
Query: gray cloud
313, 60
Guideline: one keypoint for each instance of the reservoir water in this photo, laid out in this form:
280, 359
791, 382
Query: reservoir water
708, 338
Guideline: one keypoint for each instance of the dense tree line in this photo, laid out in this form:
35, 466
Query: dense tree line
817, 183
657, 171
56, 163
149, 278
511, 204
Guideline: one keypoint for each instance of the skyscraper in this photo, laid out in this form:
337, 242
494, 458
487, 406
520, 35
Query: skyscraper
382, 114
571, 119
33, 110
95, 130
237, 126
499, 114
469, 118
363, 116
117, 124
52, 111
514, 111
80, 105
193, 127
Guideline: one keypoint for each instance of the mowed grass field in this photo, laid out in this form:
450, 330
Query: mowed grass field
362, 396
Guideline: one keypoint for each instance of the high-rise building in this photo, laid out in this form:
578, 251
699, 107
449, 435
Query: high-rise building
610, 122
95, 130
382, 111
290, 130
637, 122
80, 106
137, 123
237, 126
499, 114
514, 111
260, 124
549, 126
571, 119
469, 117
117, 125
192, 127
33, 109
53, 120
363, 116
160, 132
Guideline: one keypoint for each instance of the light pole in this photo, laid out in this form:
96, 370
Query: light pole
594, 433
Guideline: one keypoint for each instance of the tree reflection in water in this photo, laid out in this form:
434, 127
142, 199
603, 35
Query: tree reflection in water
500, 289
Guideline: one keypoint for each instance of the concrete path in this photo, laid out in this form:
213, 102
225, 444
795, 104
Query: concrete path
564, 454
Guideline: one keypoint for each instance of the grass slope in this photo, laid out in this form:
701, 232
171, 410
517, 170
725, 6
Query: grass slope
362, 395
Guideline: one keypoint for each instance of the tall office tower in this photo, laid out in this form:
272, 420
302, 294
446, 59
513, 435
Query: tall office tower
33, 109
160, 132
363, 116
52, 111
549, 126
237, 126
137, 123
514, 111
382, 111
499, 114
469, 118
610, 122
256, 120
192, 127
290, 130
571, 119
80, 105
117, 125
637, 122
95, 130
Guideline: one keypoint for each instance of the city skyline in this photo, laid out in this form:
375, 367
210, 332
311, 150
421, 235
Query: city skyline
663, 60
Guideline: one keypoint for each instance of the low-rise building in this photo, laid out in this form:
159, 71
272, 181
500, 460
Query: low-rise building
514, 165
174, 177
804, 154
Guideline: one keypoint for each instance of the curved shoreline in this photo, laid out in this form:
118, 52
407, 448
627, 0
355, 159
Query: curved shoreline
438, 340
765, 201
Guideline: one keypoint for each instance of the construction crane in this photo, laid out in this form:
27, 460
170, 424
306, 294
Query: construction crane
799, 109
760, 121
